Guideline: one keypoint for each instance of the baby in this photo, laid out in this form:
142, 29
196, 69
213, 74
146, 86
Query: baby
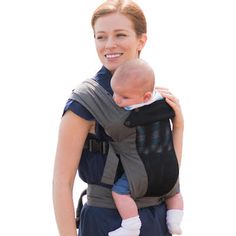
133, 86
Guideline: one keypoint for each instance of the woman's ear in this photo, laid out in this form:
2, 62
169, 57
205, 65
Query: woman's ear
142, 41
147, 96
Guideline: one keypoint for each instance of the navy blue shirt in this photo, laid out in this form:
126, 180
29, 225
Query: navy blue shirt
92, 164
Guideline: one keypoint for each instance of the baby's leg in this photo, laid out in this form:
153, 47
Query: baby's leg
125, 205
128, 210
174, 213
131, 224
175, 202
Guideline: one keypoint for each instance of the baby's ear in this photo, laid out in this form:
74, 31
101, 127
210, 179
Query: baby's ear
147, 96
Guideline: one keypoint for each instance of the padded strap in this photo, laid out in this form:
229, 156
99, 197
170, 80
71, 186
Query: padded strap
110, 168
144, 115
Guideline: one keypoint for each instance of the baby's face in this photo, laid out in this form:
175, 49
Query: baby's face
124, 96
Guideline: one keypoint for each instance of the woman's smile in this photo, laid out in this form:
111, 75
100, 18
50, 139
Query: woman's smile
113, 55
114, 34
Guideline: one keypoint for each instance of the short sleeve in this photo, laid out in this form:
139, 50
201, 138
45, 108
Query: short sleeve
78, 109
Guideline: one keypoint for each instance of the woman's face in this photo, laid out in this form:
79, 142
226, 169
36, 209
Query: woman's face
116, 40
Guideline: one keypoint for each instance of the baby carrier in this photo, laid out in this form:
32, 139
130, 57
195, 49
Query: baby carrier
142, 141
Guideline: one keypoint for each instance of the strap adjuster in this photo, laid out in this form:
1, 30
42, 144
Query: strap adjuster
93, 145
79, 208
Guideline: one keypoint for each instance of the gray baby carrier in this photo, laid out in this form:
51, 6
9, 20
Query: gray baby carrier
142, 141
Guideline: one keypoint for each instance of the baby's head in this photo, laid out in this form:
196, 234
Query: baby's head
132, 83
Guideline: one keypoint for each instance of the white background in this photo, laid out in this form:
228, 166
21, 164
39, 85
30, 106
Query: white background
46, 48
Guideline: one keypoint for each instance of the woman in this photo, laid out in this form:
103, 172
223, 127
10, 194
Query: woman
120, 34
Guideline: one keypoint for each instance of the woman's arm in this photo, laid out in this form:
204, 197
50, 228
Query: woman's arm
72, 134
177, 121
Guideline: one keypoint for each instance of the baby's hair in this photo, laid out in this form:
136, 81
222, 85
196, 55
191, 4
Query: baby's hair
138, 72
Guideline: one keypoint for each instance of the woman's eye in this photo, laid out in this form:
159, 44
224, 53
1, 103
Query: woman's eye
100, 37
121, 35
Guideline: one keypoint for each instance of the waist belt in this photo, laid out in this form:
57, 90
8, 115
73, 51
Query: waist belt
100, 196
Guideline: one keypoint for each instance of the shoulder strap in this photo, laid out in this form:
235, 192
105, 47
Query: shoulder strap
102, 106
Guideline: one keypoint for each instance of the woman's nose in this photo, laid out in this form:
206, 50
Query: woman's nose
110, 43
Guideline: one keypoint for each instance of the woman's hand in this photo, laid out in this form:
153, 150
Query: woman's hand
178, 120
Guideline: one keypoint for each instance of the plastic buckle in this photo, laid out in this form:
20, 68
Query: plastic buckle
91, 146
97, 146
104, 148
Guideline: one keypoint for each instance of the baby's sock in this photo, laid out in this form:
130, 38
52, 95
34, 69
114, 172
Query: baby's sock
129, 227
173, 220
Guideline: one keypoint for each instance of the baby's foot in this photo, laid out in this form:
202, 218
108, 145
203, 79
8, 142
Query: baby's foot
174, 229
129, 227
173, 221
124, 232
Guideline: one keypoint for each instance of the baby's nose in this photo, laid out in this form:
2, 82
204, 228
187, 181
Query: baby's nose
117, 99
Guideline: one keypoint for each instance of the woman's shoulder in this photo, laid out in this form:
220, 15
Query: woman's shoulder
102, 77
78, 109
